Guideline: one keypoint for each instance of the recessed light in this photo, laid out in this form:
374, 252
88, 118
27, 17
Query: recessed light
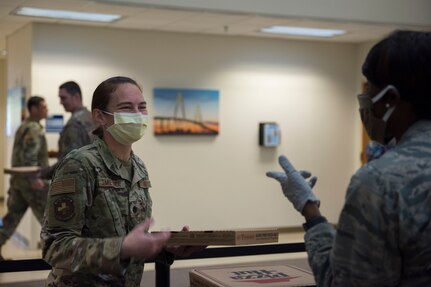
303, 31
65, 14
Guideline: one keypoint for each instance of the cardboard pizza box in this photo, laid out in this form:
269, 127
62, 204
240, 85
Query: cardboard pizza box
22, 170
252, 276
224, 237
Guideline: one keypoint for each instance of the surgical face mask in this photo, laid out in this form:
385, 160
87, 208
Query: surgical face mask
128, 127
375, 127
375, 150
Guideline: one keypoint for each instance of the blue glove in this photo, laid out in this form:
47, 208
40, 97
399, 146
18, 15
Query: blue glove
294, 184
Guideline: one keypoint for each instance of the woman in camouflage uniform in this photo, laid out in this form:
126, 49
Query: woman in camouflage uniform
99, 206
384, 230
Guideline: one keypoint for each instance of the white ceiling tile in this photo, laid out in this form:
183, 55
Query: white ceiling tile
25, 19
11, 2
234, 29
168, 15
82, 23
96, 7
190, 26
146, 17
5, 10
141, 22
75, 5
214, 18
260, 21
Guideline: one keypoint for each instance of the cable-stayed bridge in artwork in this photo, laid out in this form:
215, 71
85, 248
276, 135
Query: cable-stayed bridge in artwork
179, 124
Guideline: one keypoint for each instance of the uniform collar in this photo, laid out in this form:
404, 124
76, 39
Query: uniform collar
419, 127
79, 111
114, 164
33, 120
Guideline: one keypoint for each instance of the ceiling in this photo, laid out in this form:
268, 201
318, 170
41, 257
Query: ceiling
174, 19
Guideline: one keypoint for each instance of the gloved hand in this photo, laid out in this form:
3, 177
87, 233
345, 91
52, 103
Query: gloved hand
294, 184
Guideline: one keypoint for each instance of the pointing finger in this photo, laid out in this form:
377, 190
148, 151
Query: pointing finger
286, 165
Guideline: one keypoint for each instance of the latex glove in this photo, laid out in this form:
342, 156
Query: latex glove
294, 184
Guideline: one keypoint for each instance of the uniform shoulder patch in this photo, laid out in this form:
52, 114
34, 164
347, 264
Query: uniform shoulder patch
144, 183
64, 208
61, 186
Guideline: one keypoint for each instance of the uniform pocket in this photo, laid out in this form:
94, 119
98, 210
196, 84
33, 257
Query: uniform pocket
106, 216
140, 207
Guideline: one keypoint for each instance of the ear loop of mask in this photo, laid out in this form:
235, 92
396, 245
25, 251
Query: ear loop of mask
380, 95
108, 113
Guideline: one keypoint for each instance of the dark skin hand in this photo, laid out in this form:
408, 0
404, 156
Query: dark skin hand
310, 210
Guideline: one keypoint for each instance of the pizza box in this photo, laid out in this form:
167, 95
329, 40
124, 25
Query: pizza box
251, 276
22, 170
224, 237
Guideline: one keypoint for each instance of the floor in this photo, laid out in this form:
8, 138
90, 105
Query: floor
179, 270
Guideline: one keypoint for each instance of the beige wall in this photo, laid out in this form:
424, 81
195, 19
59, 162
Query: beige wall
219, 182
3, 94
19, 63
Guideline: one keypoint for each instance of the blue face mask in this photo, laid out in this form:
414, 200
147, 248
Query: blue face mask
375, 150
375, 127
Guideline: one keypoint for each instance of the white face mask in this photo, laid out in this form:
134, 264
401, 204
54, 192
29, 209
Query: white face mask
128, 127
375, 127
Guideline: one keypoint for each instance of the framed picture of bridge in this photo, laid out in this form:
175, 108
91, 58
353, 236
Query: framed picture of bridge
186, 111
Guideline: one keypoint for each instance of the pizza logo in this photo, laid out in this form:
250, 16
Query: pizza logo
261, 276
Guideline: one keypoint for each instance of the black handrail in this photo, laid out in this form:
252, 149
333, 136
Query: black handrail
246, 250
162, 270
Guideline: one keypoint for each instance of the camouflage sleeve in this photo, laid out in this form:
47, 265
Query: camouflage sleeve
363, 251
73, 136
64, 245
32, 144
318, 243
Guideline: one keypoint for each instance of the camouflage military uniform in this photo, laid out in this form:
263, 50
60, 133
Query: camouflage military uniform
384, 232
93, 203
77, 132
29, 149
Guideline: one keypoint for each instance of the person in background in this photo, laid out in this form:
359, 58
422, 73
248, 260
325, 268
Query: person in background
384, 230
29, 149
95, 231
78, 130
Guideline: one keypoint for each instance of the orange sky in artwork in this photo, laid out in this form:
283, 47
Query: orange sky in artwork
188, 127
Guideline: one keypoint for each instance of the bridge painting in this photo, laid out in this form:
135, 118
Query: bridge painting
186, 111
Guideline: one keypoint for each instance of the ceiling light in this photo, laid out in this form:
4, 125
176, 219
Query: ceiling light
303, 31
64, 14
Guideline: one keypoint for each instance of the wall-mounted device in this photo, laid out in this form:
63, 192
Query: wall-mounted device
269, 134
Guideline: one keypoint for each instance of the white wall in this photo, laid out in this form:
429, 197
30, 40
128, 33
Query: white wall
219, 182
2, 120
19, 62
